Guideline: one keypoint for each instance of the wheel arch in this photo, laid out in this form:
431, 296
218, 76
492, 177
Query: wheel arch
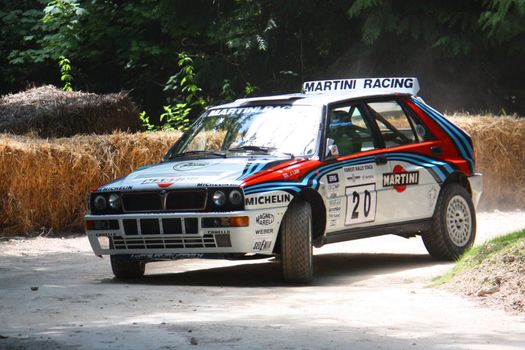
318, 212
318, 216
459, 178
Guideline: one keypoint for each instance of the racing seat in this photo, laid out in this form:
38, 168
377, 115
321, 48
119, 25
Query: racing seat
344, 134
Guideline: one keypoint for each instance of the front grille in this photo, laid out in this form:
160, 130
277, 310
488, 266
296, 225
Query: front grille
186, 200
145, 201
172, 226
167, 233
176, 200
159, 242
149, 226
168, 225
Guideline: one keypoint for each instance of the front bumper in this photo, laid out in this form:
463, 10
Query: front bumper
476, 186
160, 236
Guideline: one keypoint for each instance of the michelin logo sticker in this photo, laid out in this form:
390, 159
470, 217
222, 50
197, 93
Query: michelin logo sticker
268, 200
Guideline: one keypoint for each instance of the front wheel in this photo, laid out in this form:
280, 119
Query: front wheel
296, 244
453, 225
124, 268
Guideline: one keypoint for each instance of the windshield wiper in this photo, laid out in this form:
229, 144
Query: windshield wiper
262, 149
192, 153
251, 148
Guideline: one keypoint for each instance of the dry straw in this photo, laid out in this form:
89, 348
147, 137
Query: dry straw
50, 112
44, 183
499, 144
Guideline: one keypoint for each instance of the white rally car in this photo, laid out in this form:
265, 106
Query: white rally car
345, 159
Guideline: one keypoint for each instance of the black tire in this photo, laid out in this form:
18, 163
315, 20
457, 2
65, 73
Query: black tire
124, 268
453, 224
296, 244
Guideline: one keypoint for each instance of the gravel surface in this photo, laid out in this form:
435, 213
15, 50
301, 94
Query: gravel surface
368, 294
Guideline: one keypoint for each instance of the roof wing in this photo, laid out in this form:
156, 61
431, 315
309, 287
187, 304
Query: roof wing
365, 85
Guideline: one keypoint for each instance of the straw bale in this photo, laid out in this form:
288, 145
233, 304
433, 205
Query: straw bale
499, 144
45, 182
50, 112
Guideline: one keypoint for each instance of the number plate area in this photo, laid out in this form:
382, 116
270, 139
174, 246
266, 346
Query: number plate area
360, 204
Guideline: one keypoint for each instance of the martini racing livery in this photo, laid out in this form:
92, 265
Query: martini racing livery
345, 159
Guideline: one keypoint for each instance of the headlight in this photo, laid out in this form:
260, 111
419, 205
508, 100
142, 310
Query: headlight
100, 202
235, 197
219, 198
114, 201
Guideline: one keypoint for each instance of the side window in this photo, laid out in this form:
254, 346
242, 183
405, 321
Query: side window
395, 126
347, 131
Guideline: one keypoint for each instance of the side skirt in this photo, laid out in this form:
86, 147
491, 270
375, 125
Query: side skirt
405, 229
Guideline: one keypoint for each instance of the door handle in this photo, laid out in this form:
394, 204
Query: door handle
436, 150
381, 160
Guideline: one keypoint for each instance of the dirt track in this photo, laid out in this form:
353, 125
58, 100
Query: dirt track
368, 294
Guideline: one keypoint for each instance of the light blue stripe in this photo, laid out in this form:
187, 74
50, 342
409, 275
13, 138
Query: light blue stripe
452, 130
431, 166
448, 167
315, 175
458, 130
253, 169
272, 188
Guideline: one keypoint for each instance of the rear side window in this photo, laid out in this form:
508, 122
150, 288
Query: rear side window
396, 127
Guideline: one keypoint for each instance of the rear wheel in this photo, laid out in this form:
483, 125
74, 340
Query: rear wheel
296, 244
453, 225
124, 268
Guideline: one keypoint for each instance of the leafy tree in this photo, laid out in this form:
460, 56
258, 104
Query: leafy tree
236, 44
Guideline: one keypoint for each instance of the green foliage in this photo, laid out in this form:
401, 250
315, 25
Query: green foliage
145, 121
65, 73
248, 27
481, 253
274, 45
187, 100
175, 117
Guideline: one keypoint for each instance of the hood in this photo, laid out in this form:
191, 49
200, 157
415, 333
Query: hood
192, 173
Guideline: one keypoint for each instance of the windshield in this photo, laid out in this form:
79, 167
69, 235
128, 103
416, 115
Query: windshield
283, 129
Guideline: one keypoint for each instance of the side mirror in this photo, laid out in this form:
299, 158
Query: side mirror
332, 151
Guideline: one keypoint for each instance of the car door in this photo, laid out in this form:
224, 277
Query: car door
354, 170
408, 184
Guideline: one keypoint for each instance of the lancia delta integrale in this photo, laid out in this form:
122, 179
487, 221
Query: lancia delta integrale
275, 176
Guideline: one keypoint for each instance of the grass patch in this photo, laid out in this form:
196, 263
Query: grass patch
481, 253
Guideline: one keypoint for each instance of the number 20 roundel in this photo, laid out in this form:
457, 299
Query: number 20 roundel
360, 204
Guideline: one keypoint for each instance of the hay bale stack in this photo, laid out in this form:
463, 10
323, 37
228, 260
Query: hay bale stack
41, 182
51, 112
45, 183
499, 144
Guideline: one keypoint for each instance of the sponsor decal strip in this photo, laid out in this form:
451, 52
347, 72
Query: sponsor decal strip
458, 136
271, 187
252, 169
439, 170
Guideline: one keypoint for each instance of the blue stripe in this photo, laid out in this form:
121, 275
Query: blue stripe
272, 188
427, 162
457, 135
252, 169
457, 130
440, 168
431, 167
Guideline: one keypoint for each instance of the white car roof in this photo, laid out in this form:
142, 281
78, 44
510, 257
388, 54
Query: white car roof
323, 92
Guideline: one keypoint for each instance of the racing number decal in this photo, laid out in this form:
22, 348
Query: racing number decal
360, 204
